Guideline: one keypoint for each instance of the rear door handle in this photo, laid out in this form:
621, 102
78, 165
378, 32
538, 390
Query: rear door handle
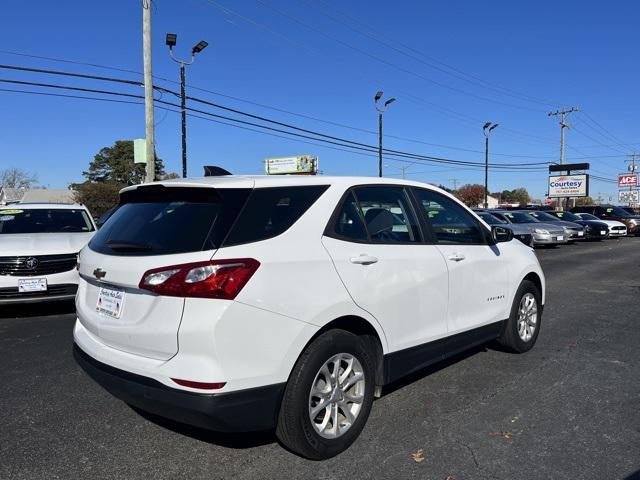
456, 257
363, 259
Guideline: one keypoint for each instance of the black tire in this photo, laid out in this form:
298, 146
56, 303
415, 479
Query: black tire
295, 429
509, 338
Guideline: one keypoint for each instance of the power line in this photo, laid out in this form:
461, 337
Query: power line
330, 140
377, 37
387, 62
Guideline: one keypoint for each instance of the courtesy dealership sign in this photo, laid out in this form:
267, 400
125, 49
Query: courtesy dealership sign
569, 185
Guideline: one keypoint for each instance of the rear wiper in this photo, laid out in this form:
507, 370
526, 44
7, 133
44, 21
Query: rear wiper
116, 245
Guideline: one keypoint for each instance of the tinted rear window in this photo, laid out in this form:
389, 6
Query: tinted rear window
159, 221
271, 211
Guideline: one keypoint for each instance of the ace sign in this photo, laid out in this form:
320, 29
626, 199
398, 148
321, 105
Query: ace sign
627, 180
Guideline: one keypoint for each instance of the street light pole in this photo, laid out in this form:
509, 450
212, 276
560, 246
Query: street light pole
171, 41
486, 129
381, 109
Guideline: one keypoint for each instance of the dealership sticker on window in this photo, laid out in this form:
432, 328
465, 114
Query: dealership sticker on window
7, 218
11, 212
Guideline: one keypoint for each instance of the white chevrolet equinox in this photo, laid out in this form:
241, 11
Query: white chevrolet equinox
247, 303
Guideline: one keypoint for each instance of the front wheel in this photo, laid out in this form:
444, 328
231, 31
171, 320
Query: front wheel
523, 326
328, 396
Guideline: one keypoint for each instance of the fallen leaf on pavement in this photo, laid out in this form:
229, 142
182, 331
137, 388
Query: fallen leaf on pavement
418, 456
502, 434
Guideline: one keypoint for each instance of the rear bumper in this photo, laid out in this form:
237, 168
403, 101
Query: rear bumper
239, 411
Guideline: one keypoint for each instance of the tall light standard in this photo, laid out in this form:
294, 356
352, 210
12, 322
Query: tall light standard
381, 108
171, 41
486, 129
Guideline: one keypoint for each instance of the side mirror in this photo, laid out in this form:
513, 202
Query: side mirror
501, 234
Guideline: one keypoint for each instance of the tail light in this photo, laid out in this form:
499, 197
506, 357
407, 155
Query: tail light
213, 279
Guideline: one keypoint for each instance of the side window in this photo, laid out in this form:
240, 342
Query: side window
451, 224
349, 223
387, 214
271, 211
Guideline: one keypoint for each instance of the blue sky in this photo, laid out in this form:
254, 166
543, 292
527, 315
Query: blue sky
452, 66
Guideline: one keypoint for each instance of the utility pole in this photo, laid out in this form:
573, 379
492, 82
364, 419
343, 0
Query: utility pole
402, 168
171, 41
563, 124
381, 109
150, 140
454, 181
486, 129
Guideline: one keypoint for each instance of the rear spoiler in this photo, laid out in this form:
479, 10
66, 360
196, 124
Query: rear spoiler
214, 171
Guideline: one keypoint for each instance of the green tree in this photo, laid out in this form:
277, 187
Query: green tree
471, 194
518, 195
98, 197
115, 164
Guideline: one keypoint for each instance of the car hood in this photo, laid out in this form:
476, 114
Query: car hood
17, 244
610, 223
564, 223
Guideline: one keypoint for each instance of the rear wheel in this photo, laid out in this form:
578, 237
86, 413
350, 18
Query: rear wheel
328, 396
521, 330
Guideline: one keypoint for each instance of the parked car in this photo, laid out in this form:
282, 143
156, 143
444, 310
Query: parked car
520, 232
572, 230
292, 300
593, 229
612, 212
616, 229
543, 233
39, 244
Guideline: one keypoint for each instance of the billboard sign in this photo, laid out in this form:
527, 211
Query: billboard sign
569, 186
629, 197
627, 180
299, 164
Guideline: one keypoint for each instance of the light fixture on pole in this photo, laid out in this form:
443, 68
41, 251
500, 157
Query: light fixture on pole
486, 129
171, 41
381, 108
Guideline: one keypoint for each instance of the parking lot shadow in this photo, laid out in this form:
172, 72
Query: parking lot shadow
229, 440
37, 309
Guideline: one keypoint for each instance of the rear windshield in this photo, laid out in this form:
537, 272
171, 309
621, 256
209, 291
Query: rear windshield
568, 216
543, 216
44, 220
159, 221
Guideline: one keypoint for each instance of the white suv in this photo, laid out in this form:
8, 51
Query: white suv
245, 303
39, 244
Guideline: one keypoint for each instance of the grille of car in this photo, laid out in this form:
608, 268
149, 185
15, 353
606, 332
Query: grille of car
52, 290
618, 228
28, 266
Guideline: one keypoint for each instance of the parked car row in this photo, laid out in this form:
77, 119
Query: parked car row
537, 227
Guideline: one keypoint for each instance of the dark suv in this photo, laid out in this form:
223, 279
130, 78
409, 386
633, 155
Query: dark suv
612, 212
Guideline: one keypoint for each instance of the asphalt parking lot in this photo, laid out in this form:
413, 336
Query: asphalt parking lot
569, 409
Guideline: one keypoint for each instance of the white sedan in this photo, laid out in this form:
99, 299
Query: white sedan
616, 229
39, 244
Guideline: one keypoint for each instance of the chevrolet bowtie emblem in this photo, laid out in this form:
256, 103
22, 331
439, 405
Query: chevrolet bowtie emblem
99, 273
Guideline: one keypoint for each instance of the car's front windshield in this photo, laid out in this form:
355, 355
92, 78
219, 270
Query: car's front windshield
587, 216
491, 219
543, 216
568, 216
44, 220
520, 217
620, 212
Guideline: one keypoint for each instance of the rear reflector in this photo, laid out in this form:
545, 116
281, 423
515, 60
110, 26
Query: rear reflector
200, 385
213, 279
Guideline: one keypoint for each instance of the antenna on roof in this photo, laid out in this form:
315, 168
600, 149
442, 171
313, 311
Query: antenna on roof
213, 171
